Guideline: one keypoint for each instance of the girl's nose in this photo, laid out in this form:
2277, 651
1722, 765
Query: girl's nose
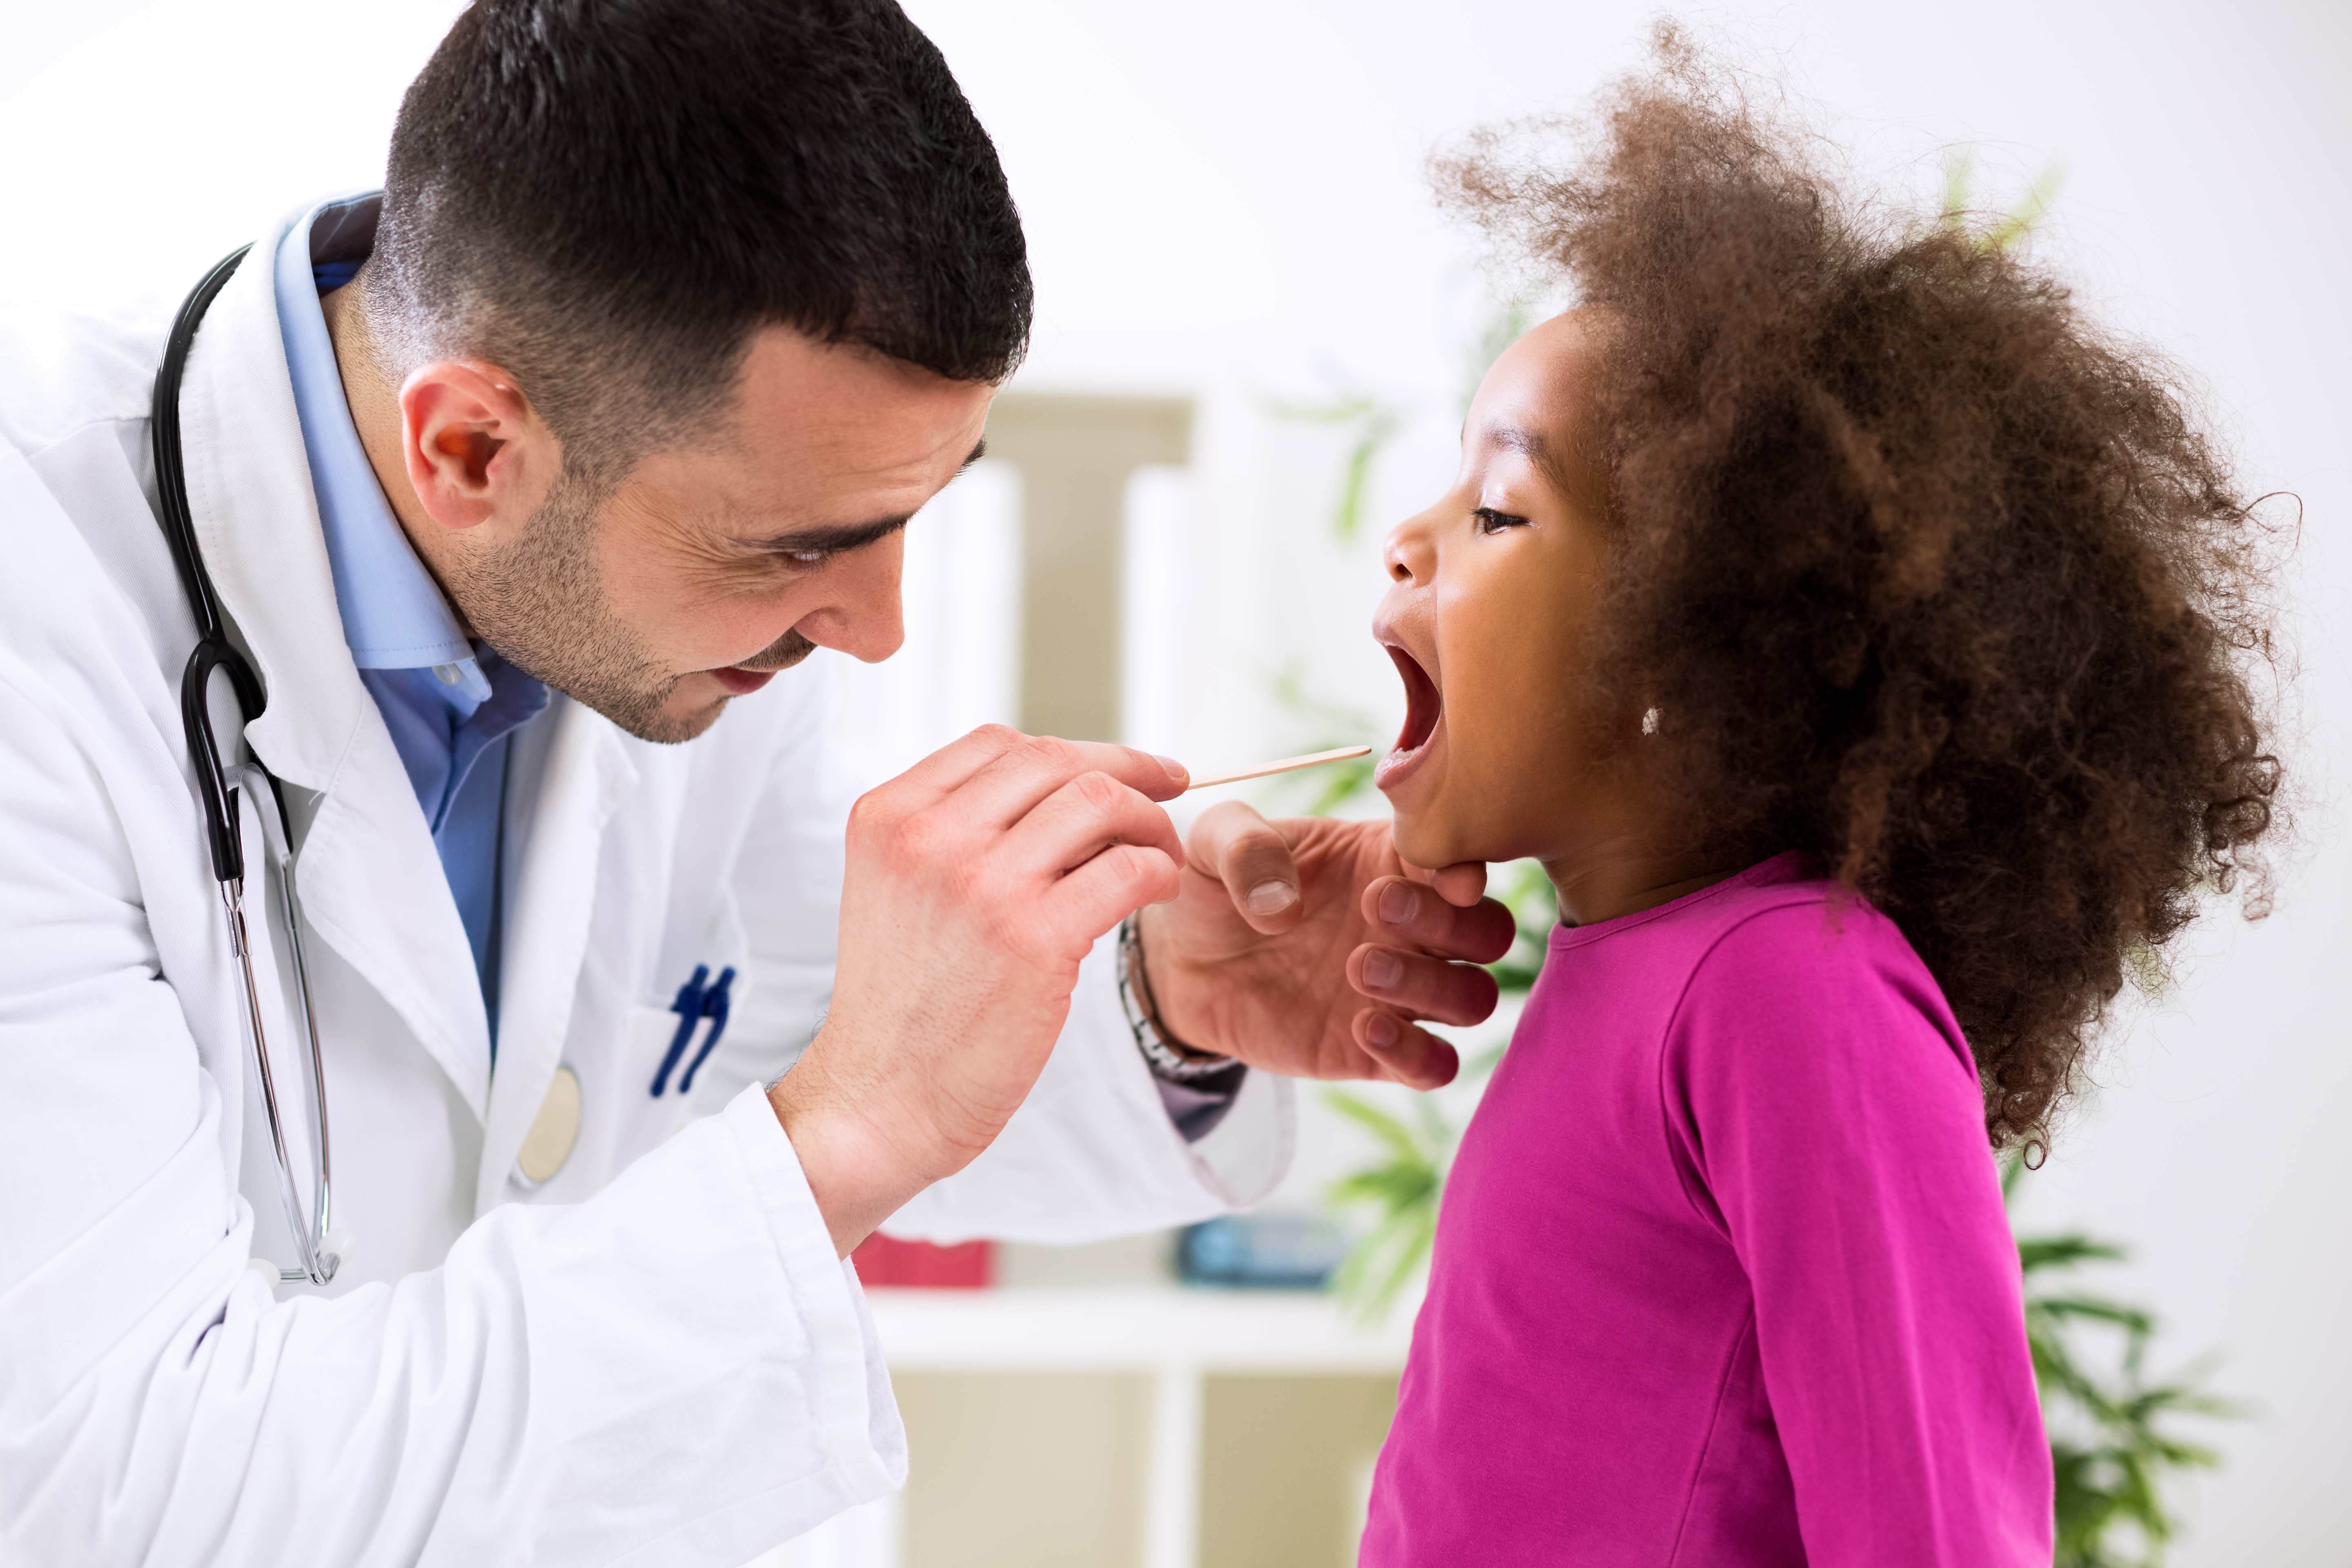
1406, 552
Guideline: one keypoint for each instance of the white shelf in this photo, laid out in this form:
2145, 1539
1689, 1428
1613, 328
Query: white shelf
1176, 1337
1138, 1328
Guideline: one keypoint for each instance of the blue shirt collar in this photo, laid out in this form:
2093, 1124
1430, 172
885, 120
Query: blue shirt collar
395, 617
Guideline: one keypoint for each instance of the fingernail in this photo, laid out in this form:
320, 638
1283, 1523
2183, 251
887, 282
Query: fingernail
1270, 898
1399, 903
1176, 770
1382, 969
1380, 1029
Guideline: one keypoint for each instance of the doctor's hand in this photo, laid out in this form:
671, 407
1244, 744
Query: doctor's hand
975, 883
1307, 947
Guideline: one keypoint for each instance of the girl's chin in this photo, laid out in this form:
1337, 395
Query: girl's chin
1425, 838
1433, 829
1432, 825
1417, 814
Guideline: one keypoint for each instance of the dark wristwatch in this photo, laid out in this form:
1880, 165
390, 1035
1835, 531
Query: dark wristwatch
1170, 1061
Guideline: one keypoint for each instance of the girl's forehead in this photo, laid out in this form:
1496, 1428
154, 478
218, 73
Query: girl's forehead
1537, 400
1543, 378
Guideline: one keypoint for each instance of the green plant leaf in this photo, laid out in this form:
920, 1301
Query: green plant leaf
1319, 792
2110, 1445
1959, 173
1389, 1130
1375, 431
2018, 221
1958, 215
2042, 1252
1375, 423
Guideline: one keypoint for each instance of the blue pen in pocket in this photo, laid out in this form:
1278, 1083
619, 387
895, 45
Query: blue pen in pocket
714, 1007
693, 1005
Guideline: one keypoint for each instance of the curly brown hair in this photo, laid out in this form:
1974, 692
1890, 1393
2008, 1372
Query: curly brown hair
1916, 570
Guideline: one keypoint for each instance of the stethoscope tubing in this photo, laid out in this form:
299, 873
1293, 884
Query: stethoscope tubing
215, 654
213, 650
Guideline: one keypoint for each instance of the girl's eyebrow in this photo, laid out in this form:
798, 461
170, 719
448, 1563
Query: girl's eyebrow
1532, 445
1528, 444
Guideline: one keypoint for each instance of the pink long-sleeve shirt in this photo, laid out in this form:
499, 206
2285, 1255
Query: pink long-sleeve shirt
1722, 1276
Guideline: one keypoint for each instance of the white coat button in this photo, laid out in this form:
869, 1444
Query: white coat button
553, 1132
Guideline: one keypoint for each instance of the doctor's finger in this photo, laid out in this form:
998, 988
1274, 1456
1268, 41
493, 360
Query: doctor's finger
952, 766
1107, 889
1425, 987
1411, 914
1081, 819
1402, 1051
1009, 786
1460, 884
1233, 844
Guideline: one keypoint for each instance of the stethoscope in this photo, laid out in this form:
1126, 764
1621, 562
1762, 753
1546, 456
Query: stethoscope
322, 1249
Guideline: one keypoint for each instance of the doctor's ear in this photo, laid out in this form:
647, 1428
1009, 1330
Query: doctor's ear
473, 448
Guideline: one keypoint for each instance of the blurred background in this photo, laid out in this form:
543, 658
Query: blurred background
1254, 340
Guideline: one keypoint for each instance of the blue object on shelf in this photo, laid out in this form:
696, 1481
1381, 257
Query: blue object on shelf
1261, 1251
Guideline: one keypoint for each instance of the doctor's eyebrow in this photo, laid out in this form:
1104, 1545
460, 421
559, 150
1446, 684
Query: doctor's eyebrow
839, 538
832, 539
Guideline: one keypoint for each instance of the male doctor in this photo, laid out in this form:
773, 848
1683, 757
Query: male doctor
518, 484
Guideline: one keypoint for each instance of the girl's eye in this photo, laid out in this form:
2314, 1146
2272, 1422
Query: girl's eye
1492, 521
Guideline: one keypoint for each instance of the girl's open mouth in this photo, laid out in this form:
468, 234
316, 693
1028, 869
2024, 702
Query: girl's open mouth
1424, 712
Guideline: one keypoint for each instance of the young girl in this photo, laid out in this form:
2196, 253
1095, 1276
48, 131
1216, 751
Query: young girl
1861, 642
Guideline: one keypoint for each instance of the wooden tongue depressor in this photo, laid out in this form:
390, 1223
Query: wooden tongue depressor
1263, 770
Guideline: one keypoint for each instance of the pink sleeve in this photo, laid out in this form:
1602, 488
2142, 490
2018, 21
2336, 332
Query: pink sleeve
1828, 1121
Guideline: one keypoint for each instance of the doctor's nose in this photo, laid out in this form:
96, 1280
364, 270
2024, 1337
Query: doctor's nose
864, 618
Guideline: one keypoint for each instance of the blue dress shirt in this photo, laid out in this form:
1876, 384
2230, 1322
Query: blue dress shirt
452, 705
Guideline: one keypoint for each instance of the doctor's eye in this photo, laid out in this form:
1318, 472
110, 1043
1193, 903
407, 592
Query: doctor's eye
807, 558
1489, 521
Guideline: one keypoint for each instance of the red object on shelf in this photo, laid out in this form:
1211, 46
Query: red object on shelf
886, 1260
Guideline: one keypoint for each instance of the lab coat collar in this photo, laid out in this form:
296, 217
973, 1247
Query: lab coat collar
369, 879
588, 773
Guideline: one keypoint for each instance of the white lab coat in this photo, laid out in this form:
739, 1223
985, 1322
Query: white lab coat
653, 1358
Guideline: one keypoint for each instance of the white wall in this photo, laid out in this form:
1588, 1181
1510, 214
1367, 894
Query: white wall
1223, 200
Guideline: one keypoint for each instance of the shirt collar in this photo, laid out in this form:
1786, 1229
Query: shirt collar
395, 617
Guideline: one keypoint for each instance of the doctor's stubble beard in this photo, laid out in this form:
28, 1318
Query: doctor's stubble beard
541, 606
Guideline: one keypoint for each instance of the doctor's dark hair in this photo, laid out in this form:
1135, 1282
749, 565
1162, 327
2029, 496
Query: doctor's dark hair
1919, 571
608, 197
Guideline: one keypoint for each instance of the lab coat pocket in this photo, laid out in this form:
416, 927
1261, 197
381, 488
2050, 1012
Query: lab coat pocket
663, 1046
